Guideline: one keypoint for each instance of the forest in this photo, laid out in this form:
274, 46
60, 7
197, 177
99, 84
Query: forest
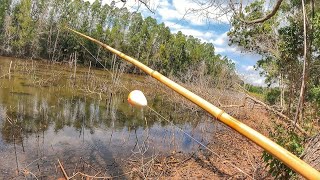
285, 35
36, 30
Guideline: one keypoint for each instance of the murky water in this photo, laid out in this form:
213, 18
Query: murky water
46, 115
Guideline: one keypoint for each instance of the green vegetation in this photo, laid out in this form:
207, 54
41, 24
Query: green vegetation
290, 141
268, 94
254, 89
273, 96
36, 29
280, 40
289, 42
314, 95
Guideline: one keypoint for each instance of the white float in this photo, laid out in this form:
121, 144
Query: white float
137, 98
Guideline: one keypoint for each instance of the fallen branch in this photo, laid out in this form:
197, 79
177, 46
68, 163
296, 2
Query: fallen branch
278, 113
4, 75
63, 171
286, 118
233, 105
98, 177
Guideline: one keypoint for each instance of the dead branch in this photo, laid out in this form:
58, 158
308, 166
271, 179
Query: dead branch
269, 108
63, 171
4, 75
89, 92
233, 105
278, 113
51, 79
99, 177
146, 5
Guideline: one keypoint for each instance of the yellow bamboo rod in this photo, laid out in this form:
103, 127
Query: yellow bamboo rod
279, 152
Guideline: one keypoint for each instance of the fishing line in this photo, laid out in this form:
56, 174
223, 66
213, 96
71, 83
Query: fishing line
200, 143
158, 114
112, 74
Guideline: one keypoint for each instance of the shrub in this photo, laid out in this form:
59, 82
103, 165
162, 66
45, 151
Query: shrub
314, 95
290, 141
272, 96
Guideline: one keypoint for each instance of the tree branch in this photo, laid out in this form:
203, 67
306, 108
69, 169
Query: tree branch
147, 6
268, 16
269, 108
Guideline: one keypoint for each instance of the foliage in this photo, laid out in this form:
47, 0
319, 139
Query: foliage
36, 30
254, 89
290, 141
280, 42
272, 96
316, 23
314, 95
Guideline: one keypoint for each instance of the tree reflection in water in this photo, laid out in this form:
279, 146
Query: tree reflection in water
59, 122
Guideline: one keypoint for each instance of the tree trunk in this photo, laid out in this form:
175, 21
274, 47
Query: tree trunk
299, 110
55, 45
282, 89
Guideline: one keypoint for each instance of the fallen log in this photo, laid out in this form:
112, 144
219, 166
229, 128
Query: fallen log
269, 108
286, 118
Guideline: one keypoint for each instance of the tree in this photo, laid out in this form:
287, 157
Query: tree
284, 55
4, 8
24, 28
36, 29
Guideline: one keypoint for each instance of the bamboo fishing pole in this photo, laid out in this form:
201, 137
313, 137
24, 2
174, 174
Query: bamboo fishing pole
273, 148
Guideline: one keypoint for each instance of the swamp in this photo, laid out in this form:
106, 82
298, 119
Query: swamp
51, 112
64, 111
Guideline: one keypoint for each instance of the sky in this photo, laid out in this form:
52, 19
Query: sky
173, 14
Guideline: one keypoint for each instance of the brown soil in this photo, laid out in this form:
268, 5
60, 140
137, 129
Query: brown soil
236, 153
234, 150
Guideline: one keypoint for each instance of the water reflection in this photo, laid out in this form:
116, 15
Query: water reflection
59, 122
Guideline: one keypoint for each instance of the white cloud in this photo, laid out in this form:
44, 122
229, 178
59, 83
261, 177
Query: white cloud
163, 3
225, 49
198, 34
249, 68
203, 36
197, 18
168, 14
221, 44
221, 40
219, 50
253, 78
250, 75
173, 26
180, 10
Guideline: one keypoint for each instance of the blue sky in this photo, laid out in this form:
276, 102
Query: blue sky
173, 14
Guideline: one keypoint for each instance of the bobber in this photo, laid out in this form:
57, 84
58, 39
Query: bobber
137, 98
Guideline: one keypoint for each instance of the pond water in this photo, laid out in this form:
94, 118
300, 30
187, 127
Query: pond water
46, 114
